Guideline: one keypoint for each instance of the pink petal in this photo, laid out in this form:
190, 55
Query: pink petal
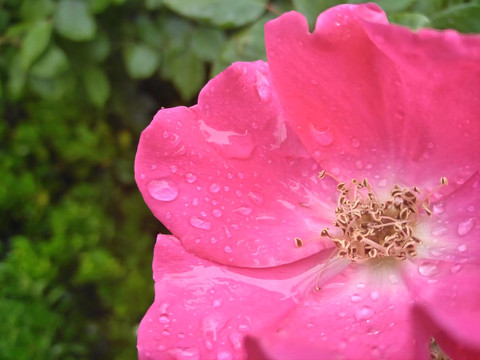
449, 295
363, 313
374, 100
452, 233
230, 179
203, 310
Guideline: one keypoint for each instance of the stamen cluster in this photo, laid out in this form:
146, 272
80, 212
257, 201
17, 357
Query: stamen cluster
374, 229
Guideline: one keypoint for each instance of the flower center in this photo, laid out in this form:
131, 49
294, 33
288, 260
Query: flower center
371, 228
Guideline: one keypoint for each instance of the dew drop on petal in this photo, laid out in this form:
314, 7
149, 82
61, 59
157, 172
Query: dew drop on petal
243, 210
217, 213
190, 178
364, 313
199, 223
323, 138
355, 298
428, 269
164, 319
224, 355
162, 190
214, 188
462, 248
455, 268
355, 143
465, 226
374, 295
227, 249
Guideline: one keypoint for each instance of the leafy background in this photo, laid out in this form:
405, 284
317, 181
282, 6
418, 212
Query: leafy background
79, 80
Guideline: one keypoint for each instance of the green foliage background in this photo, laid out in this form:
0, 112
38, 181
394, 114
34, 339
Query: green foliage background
79, 80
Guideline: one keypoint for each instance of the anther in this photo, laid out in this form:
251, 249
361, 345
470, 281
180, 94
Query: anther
298, 242
321, 175
326, 232
443, 180
427, 210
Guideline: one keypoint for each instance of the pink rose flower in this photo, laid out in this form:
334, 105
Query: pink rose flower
280, 248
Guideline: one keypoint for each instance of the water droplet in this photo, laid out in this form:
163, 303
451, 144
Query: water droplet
243, 210
217, 213
199, 223
470, 208
428, 269
358, 164
455, 268
209, 345
465, 226
438, 207
355, 143
323, 137
214, 188
162, 190
374, 295
181, 335
364, 313
256, 198
440, 230
236, 340
263, 87
190, 178
227, 249
462, 248
217, 303
224, 355
165, 333
356, 298
184, 353
168, 215
164, 319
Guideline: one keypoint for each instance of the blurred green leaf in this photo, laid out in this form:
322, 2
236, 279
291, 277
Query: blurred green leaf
98, 265
53, 63
388, 5
35, 42
464, 18
99, 48
36, 9
412, 20
312, 8
153, 4
17, 78
141, 60
73, 20
223, 13
246, 45
207, 42
50, 88
98, 6
97, 85
188, 73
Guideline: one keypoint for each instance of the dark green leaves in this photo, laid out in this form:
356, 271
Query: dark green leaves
74, 21
222, 13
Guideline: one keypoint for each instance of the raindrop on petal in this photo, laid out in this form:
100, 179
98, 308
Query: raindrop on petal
364, 313
465, 226
243, 210
462, 248
190, 178
428, 269
199, 223
214, 188
356, 298
162, 190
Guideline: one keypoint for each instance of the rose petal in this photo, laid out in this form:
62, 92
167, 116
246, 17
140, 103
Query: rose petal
363, 313
449, 295
230, 179
375, 100
203, 310
452, 233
